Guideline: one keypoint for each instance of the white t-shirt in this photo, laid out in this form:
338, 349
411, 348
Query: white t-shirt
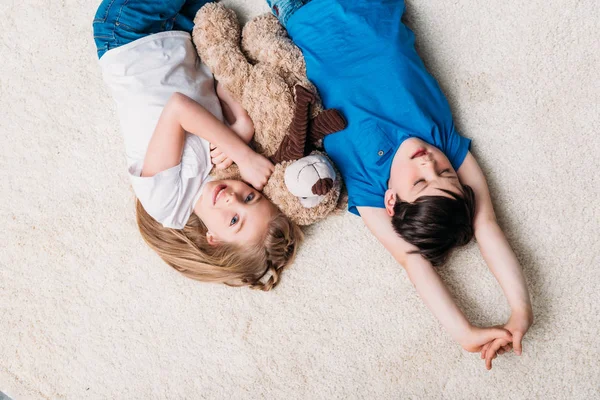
142, 76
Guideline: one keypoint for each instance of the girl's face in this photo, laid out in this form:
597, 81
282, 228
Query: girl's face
420, 169
234, 212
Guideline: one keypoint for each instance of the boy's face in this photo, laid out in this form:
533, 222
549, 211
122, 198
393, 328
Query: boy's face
419, 169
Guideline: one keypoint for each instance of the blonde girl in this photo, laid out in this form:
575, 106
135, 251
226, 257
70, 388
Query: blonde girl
221, 231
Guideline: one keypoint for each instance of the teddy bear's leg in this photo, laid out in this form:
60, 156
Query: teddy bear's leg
329, 121
293, 145
217, 36
265, 40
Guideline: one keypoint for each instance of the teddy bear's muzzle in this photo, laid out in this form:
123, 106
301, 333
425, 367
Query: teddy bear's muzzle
310, 179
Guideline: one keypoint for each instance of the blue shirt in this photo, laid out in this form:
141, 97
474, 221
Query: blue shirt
363, 61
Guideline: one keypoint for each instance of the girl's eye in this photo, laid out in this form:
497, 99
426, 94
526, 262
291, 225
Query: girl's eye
234, 220
249, 198
419, 181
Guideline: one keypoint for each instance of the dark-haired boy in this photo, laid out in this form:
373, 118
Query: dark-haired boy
409, 173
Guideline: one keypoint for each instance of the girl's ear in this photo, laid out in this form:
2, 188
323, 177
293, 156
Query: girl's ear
390, 201
212, 239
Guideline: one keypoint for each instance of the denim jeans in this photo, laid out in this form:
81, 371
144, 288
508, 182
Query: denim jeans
118, 22
284, 9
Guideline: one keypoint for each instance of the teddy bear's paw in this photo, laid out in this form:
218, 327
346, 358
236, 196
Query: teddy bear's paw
214, 23
303, 95
262, 26
265, 40
326, 123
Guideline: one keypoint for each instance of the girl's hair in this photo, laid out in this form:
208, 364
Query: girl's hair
188, 251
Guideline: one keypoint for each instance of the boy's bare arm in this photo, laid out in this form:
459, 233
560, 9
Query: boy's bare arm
497, 252
428, 284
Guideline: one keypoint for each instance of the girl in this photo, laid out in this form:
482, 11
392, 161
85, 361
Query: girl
409, 174
169, 110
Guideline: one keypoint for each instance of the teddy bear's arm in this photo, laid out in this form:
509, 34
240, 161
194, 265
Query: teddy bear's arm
327, 122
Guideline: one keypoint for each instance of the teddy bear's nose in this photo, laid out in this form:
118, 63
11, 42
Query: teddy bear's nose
322, 186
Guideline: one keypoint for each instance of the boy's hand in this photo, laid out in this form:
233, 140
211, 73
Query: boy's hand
518, 325
255, 169
218, 158
476, 338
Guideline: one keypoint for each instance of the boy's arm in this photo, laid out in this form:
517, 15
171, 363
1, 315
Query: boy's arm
182, 114
428, 284
496, 251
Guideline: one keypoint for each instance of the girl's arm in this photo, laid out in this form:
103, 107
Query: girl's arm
428, 284
237, 118
497, 253
239, 121
184, 114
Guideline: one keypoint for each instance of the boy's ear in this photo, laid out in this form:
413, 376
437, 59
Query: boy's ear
212, 239
390, 201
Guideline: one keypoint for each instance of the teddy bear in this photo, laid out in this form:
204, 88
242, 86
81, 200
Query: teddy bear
265, 72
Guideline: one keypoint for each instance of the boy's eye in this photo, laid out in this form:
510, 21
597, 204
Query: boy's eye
419, 181
444, 171
249, 198
234, 220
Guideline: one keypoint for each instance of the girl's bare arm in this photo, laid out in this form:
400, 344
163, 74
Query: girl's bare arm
236, 116
183, 114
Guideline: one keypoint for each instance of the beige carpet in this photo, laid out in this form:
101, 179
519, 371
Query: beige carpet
87, 311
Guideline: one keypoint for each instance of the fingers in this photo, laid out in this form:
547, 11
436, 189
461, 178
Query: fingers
492, 351
498, 334
504, 349
517, 345
217, 156
259, 186
484, 349
225, 164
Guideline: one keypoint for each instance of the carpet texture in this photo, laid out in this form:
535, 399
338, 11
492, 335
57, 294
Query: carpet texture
87, 311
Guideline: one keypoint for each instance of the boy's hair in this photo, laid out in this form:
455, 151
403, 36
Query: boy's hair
436, 224
187, 250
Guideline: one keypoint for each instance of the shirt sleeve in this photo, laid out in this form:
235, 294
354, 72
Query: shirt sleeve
166, 196
363, 195
456, 147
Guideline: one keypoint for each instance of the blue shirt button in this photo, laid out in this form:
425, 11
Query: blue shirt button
380, 153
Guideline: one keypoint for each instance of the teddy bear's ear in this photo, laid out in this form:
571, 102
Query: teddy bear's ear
217, 36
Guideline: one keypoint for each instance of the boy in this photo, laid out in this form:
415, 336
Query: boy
410, 175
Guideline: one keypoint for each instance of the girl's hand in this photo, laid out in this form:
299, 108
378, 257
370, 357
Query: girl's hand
518, 325
218, 158
476, 338
255, 169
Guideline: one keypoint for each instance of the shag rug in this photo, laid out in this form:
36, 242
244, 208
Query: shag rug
88, 311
